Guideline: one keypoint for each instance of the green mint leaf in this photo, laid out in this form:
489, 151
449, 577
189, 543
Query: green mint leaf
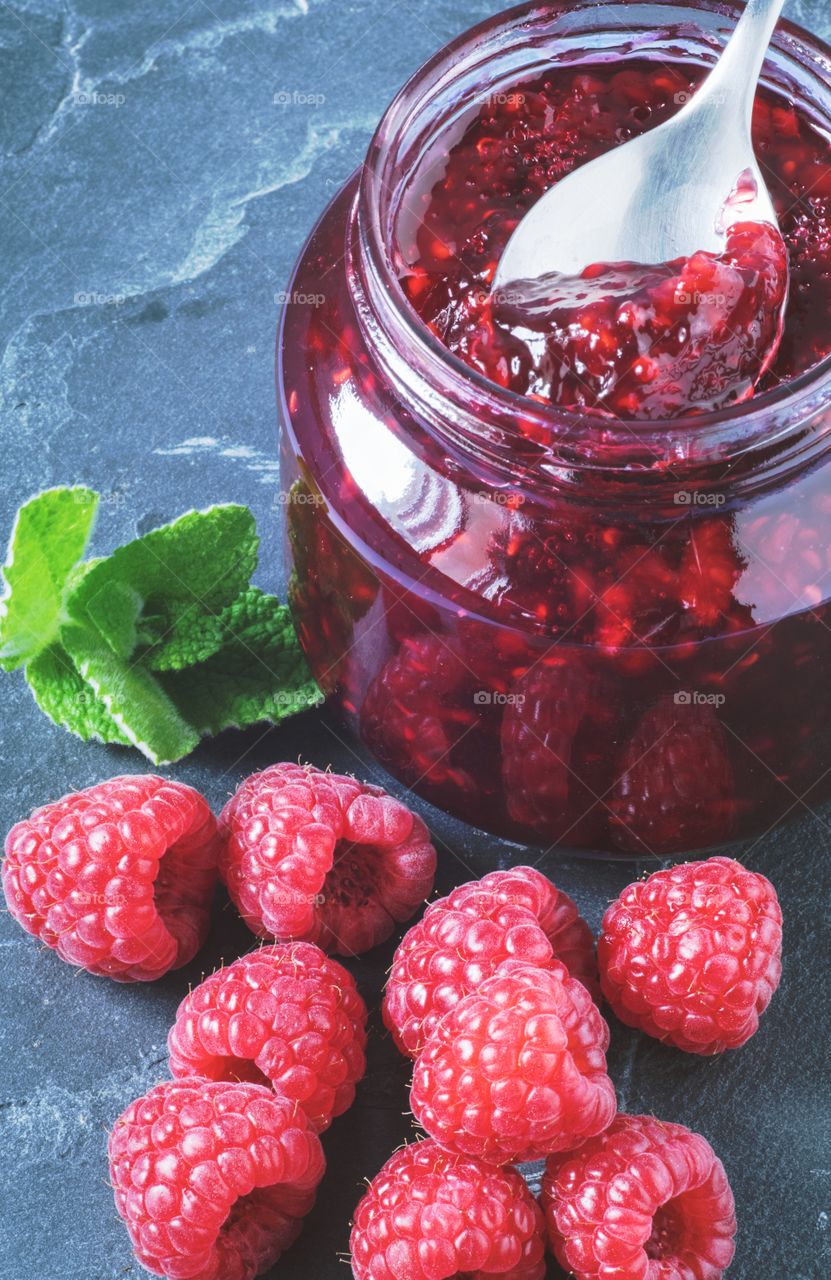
258, 674
115, 612
64, 696
50, 535
131, 696
181, 638
203, 559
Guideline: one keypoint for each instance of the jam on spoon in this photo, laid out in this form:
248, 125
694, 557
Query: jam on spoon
694, 335
690, 336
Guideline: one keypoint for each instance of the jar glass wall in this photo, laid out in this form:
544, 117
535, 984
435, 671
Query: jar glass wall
567, 630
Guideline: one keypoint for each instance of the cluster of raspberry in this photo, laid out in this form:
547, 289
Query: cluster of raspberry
215, 1169
494, 995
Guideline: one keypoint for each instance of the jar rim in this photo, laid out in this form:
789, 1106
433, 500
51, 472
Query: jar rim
737, 428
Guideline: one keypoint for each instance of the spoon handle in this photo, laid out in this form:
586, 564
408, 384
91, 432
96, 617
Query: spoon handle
736, 75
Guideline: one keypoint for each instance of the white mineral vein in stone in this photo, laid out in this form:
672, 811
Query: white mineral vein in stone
73, 40
267, 468
223, 226
205, 39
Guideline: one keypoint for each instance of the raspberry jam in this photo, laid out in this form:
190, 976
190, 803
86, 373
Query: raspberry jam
613, 636
637, 342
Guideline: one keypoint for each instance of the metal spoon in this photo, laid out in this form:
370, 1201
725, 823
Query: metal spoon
667, 193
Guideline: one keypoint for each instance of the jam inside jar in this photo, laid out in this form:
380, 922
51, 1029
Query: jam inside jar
568, 627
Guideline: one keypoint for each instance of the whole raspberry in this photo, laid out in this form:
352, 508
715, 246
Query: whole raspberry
675, 786
693, 955
319, 857
284, 1016
643, 1201
117, 879
516, 1070
213, 1180
429, 1215
464, 938
555, 750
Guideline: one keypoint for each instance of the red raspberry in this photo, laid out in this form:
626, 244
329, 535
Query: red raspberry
422, 720
330, 587
284, 1016
555, 756
692, 955
429, 1214
643, 1201
675, 786
464, 938
213, 1180
710, 569
516, 1070
319, 857
117, 879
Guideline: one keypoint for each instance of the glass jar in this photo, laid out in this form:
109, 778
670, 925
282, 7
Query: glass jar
615, 638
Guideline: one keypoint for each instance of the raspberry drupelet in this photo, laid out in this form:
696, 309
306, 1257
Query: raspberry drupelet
213, 1180
286, 1016
119, 878
319, 857
464, 938
693, 955
516, 1070
430, 1215
643, 1201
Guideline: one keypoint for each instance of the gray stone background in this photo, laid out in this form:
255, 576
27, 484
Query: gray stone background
154, 195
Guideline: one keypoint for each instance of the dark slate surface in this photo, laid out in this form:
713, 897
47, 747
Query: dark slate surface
155, 194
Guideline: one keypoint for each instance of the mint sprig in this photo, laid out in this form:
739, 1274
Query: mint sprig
257, 673
49, 537
156, 645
